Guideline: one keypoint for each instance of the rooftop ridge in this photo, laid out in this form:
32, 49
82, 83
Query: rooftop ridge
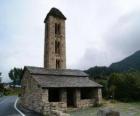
62, 72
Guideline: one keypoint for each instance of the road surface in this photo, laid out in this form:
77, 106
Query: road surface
7, 106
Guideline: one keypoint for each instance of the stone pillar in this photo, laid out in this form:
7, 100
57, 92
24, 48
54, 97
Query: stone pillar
45, 102
63, 95
98, 96
77, 97
45, 96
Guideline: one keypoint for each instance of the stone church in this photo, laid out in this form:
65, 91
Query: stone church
53, 87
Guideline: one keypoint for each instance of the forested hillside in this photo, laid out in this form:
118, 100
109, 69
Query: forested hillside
130, 63
120, 80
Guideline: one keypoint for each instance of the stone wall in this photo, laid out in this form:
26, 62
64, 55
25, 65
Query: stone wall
49, 106
35, 98
31, 96
82, 103
86, 103
58, 113
98, 95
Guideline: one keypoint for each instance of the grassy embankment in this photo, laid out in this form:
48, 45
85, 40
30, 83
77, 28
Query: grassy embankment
12, 91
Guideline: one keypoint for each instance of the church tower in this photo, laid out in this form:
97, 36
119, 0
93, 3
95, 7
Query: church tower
55, 47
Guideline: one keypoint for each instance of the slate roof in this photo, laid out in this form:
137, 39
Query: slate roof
48, 78
56, 13
63, 81
60, 72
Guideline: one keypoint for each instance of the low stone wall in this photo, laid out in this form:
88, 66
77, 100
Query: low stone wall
62, 106
58, 113
86, 103
48, 107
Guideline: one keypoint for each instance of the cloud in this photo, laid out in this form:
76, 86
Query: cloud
124, 36
97, 32
121, 40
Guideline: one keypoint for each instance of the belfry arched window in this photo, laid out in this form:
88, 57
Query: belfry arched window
57, 47
58, 64
57, 29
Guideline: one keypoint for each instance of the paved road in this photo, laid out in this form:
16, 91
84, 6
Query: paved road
7, 106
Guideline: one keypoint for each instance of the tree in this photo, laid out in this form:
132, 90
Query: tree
16, 75
99, 72
125, 86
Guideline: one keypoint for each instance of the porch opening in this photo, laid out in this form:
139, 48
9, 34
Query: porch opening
70, 97
86, 93
54, 95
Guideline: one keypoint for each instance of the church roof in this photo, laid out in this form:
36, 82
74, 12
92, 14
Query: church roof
60, 72
48, 78
64, 81
56, 13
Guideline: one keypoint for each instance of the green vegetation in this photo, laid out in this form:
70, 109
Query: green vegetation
121, 81
11, 88
9, 91
130, 63
16, 75
125, 109
99, 72
12, 91
124, 86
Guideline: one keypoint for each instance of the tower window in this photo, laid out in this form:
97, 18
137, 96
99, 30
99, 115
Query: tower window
57, 64
57, 29
57, 47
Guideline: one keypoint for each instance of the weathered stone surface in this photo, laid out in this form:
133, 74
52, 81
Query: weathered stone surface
51, 38
58, 113
107, 112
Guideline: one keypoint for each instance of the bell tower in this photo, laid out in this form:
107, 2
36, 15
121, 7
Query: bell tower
55, 47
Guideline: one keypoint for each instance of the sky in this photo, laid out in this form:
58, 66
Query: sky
98, 32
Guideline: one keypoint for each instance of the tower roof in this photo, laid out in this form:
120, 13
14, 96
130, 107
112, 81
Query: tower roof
56, 13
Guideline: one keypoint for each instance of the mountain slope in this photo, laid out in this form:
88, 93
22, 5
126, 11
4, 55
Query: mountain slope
131, 62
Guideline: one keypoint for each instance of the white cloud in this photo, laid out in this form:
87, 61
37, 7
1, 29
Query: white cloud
94, 31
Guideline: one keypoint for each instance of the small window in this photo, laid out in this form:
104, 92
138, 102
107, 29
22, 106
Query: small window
57, 64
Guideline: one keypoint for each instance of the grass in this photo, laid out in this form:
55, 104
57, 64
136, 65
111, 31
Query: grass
125, 109
12, 91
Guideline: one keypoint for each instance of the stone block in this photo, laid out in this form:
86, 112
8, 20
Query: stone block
58, 113
108, 112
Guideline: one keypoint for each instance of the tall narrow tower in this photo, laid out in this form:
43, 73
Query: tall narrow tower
55, 47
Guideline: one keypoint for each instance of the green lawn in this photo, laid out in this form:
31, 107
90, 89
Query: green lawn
126, 109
